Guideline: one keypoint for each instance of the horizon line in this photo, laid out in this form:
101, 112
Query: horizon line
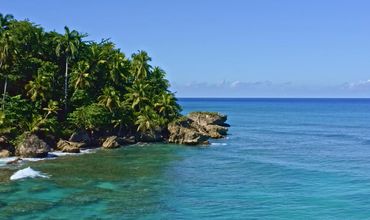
273, 97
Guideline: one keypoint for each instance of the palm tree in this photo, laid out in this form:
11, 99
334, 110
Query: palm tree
147, 120
81, 75
68, 45
158, 81
52, 108
140, 66
137, 95
6, 51
117, 67
39, 87
109, 98
5, 21
167, 106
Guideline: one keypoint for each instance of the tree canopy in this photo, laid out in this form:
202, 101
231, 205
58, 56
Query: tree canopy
55, 83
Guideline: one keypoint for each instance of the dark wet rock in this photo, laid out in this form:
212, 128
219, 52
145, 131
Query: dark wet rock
32, 146
15, 161
128, 140
197, 128
69, 146
111, 142
80, 136
51, 140
155, 136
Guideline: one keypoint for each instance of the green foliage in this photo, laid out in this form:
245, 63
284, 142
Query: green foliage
91, 117
102, 88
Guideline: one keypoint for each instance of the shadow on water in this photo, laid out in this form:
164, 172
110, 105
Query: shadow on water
122, 182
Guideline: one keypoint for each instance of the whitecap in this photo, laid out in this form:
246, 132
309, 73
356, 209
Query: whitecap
4, 161
219, 144
27, 173
36, 159
82, 151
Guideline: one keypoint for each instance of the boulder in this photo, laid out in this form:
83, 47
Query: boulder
127, 140
32, 146
6, 148
111, 142
211, 124
183, 133
216, 131
5, 153
197, 128
51, 140
155, 136
80, 136
69, 146
208, 118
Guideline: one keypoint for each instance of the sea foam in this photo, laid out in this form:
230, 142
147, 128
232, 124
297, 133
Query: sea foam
83, 151
219, 144
27, 173
4, 161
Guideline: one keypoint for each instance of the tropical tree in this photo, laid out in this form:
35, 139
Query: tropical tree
91, 117
158, 81
81, 76
6, 52
136, 96
140, 65
117, 67
148, 120
68, 45
101, 89
167, 106
52, 108
110, 98
5, 21
38, 88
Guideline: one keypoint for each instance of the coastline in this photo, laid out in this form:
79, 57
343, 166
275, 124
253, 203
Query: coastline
195, 130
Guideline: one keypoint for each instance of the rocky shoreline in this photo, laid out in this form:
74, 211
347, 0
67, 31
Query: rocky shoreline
194, 129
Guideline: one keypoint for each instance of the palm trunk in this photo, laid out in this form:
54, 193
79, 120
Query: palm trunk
4, 93
66, 88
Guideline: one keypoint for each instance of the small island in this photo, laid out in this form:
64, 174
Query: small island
62, 92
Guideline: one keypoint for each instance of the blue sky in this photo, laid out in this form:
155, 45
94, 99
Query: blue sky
230, 48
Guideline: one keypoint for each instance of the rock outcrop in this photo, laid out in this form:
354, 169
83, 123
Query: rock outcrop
154, 136
6, 148
80, 136
208, 118
32, 146
69, 146
184, 133
111, 142
197, 128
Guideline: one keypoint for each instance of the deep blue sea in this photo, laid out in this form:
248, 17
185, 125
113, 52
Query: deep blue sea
283, 159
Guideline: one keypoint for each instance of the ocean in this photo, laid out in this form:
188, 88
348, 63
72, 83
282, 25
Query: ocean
282, 159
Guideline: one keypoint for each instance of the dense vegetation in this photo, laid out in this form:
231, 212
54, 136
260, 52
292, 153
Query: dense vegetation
55, 84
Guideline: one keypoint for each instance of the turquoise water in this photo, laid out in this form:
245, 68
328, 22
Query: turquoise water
283, 159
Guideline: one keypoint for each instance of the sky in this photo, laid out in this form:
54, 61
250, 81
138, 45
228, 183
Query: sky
229, 48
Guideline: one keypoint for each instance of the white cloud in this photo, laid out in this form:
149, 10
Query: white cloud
360, 85
268, 88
